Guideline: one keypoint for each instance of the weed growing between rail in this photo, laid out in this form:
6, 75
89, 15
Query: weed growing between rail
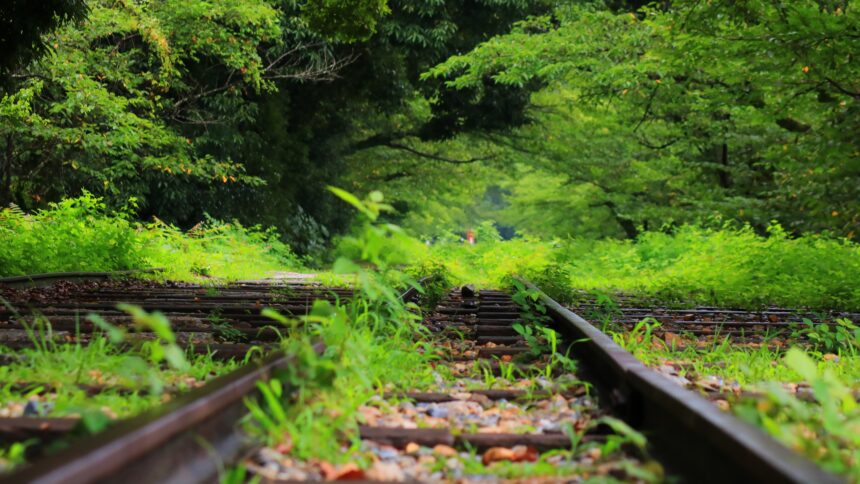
115, 374
373, 346
57, 382
827, 430
370, 346
78, 234
122, 360
805, 396
12, 456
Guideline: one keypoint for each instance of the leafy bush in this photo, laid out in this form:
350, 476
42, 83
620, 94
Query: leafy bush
217, 249
726, 266
733, 267
434, 278
490, 263
79, 234
76, 234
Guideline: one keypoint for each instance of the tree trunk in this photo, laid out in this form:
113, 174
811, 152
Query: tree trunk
725, 175
627, 225
6, 173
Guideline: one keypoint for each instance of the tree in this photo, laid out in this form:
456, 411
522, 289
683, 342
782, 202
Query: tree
753, 100
368, 120
240, 108
125, 103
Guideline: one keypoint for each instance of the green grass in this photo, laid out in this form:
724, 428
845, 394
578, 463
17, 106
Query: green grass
726, 267
130, 382
131, 376
79, 234
373, 345
825, 429
746, 366
133, 381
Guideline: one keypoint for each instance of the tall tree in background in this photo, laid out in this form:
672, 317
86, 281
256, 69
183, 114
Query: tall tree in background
124, 104
240, 108
742, 110
377, 108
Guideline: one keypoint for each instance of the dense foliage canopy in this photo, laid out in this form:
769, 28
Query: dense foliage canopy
23, 25
746, 110
551, 118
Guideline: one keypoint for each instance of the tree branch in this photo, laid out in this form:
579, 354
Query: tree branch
324, 69
854, 94
379, 139
647, 108
642, 141
437, 157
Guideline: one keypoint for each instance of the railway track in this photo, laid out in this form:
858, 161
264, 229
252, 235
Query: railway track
682, 335
505, 398
221, 321
742, 326
498, 403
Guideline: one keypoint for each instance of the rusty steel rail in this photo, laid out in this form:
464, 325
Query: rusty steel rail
226, 319
186, 440
191, 439
686, 431
46, 278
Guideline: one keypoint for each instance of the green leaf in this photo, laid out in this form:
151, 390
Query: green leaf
115, 334
353, 200
94, 421
273, 314
176, 357
800, 362
344, 265
621, 428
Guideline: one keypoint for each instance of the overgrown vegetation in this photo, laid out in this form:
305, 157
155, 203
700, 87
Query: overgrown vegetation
826, 429
371, 345
80, 234
347, 356
726, 266
115, 374
684, 152
114, 358
804, 394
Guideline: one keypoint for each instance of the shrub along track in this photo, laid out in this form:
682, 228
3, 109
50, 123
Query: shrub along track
536, 405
